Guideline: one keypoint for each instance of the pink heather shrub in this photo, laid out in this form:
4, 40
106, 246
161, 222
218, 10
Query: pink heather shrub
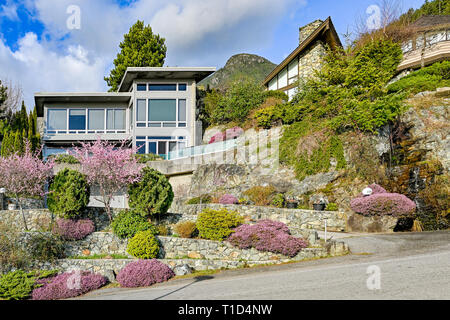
228, 199
381, 204
375, 189
74, 229
68, 285
267, 235
233, 133
229, 134
144, 273
220, 136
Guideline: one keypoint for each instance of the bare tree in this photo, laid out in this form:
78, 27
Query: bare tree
14, 98
378, 17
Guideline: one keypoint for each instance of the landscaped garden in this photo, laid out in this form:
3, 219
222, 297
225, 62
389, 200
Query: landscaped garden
42, 259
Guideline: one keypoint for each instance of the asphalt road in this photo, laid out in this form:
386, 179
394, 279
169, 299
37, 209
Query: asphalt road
410, 265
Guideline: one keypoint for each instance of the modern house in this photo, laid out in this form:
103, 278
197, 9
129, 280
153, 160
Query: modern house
154, 109
307, 57
428, 42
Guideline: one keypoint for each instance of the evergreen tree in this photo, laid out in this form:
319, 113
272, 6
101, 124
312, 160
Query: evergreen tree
140, 48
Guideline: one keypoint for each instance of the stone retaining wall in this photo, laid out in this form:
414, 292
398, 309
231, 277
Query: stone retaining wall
111, 267
297, 218
172, 247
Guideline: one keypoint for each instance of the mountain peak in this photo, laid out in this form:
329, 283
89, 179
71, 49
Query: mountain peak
238, 65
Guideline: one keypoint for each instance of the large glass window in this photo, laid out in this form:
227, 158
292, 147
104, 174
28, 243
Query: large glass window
141, 87
96, 119
77, 119
115, 119
181, 110
140, 110
57, 119
162, 87
162, 110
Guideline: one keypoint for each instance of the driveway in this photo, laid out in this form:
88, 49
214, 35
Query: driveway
382, 266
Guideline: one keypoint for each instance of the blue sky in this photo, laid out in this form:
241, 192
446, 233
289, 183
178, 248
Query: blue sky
40, 53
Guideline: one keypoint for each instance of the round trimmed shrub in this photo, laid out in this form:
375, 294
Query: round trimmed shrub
144, 273
143, 245
228, 199
69, 229
186, 229
68, 285
16, 285
269, 236
69, 194
217, 224
152, 194
128, 222
381, 203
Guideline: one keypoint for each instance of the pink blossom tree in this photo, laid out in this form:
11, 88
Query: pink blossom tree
25, 175
108, 167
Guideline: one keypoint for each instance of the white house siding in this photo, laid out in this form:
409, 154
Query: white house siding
282, 78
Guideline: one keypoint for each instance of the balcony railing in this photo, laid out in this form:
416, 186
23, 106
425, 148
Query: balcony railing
202, 149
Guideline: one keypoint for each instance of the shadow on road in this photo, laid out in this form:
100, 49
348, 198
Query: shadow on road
196, 279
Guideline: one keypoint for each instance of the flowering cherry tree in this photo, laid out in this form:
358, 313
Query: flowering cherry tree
108, 167
24, 175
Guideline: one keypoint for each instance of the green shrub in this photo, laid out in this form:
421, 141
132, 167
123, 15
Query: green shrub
162, 230
64, 158
12, 254
128, 222
332, 207
143, 245
205, 198
237, 102
287, 113
16, 285
276, 94
69, 194
186, 229
217, 224
144, 158
309, 150
45, 246
152, 195
260, 195
278, 200
426, 79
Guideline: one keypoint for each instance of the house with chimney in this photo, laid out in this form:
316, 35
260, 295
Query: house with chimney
314, 39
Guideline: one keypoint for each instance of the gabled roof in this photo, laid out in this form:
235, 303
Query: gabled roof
326, 31
196, 73
431, 21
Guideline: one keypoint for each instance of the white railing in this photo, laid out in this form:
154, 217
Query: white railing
202, 149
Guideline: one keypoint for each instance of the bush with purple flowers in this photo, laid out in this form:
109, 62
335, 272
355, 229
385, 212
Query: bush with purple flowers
68, 285
267, 235
144, 273
73, 229
229, 134
228, 199
381, 203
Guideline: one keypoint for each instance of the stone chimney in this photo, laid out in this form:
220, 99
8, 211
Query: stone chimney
306, 30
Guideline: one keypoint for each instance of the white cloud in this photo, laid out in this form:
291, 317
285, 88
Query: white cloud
9, 10
37, 68
197, 32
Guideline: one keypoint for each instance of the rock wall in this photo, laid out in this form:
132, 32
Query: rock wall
295, 218
111, 267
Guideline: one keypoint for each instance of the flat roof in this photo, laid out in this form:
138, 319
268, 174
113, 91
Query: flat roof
49, 97
132, 73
